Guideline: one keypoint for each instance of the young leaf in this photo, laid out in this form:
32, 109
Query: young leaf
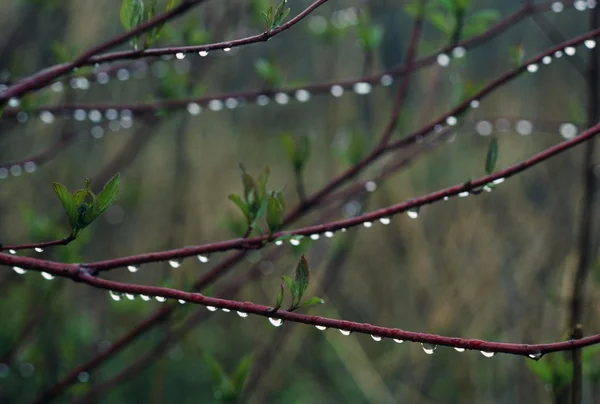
217, 373
108, 195
243, 207
291, 286
247, 182
241, 374
68, 202
279, 297
492, 156
131, 13
302, 278
274, 213
313, 301
257, 228
280, 17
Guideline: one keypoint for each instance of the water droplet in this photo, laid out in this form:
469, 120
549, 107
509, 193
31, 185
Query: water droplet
193, 108
524, 127
320, 327
343, 230
262, 100
443, 59
215, 105
362, 88
568, 130
242, 314
386, 80
133, 268
181, 301
116, 296
3, 173
38, 249
413, 213
569, 51
498, 181
385, 220
175, 263
211, 308
145, 298
314, 236
13, 102
580, 5
47, 276
398, 341
536, 355
282, 98
130, 296
368, 224
337, 90
180, 55
231, 103
451, 120
203, 258
160, 299
11, 251
546, 60
474, 104
457, 349
484, 128
345, 332
590, 44
57, 86
532, 68
16, 170
102, 78
463, 194
83, 377
275, 321
278, 242
47, 117
302, 95
370, 186
488, 354
557, 7
376, 338
22, 116
429, 348
95, 115
459, 52
203, 53
226, 49
19, 270
294, 242
558, 54
329, 234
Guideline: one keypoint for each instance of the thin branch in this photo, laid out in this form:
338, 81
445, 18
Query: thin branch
82, 274
314, 89
91, 57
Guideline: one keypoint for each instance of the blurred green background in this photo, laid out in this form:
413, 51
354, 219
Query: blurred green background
497, 266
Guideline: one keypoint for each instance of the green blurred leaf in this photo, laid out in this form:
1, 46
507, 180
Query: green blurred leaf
279, 297
241, 374
107, 195
291, 286
68, 201
280, 15
302, 278
274, 213
480, 22
270, 73
131, 13
313, 301
243, 207
492, 156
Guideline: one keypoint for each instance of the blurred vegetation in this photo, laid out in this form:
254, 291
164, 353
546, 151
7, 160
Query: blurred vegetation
496, 266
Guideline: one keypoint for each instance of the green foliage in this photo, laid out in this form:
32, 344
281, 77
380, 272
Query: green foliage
62, 52
297, 149
228, 388
275, 207
554, 370
273, 19
83, 206
354, 149
492, 156
516, 55
369, 35
134, 12
297, 288
269, 72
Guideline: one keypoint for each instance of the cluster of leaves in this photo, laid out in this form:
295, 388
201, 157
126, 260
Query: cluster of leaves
269, 72
257, 200
297, 287
450, 17
369, 35
135, 12
228, 388
83, 206
274, 18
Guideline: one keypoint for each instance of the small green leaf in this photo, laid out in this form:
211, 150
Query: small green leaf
261, 209
302, 278
217, 373
279, 18
279, 297
68, 201
131, 13
257, 228
274, 213
267, 21
291, 286
243, 207
261, 184
313, 301
108, 195
241, 374
247, 182
492, 156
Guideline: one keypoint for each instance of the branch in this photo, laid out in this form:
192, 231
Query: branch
79, 273
314, 89
91, 57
